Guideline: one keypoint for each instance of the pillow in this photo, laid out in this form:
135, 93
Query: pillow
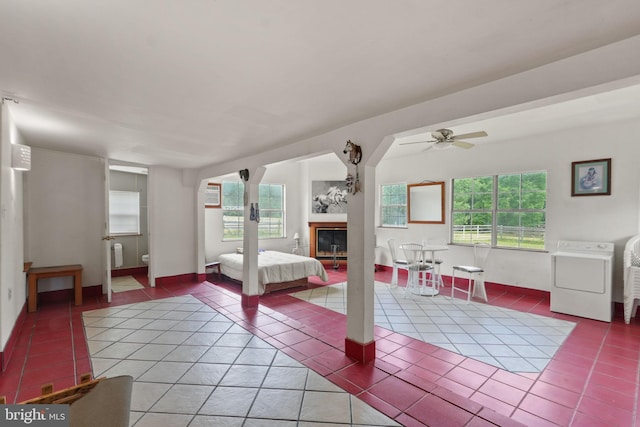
239, 250
635, 259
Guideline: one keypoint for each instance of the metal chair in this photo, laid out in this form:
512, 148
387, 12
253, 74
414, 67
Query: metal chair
417, 270
436, 262
397, 263
475, 281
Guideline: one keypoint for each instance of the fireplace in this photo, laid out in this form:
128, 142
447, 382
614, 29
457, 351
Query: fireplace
325, 237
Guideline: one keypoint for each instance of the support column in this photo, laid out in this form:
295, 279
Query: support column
359, 343
250, 288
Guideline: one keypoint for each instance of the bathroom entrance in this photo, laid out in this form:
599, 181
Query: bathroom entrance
127, 240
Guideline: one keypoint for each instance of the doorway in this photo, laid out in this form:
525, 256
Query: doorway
128, 227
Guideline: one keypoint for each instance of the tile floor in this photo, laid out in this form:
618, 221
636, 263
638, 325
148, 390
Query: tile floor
193, 366
509, 339
592, 380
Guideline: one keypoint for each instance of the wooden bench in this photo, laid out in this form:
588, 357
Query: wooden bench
210, 266
48, 272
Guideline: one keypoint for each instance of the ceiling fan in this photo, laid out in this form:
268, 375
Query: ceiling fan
444, 138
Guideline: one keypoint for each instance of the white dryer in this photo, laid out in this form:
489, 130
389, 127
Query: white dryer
582, 276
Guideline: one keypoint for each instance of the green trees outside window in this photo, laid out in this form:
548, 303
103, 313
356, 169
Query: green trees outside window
270, 202
503, 210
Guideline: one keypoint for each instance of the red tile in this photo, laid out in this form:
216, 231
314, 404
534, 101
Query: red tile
515, 380
492, 403
397, 393
436, 365
557, 394
604, 412
455, 387
506, 393
436, 412
311, 347
478, 367
382, 406
611, 397
546, 409
363, 376
466, 378
532, 420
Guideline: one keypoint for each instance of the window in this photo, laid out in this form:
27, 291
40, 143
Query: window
124, 212
270, 202
503, 210
393, 205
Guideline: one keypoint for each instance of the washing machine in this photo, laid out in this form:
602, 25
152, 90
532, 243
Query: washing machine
582, 276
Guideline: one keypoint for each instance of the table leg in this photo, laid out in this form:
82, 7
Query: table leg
33, 293
77, 285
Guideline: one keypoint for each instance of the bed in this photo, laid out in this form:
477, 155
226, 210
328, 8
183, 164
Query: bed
276, 270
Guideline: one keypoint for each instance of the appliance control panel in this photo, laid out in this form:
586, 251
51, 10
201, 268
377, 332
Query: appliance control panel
585, 246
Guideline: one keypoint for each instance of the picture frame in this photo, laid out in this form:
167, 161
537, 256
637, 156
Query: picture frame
591, 178
213, 195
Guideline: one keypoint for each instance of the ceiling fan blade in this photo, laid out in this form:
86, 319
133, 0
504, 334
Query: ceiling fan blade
471, 135
415, 142
462, 144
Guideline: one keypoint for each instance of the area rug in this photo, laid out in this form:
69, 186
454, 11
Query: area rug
509, 339
125, 283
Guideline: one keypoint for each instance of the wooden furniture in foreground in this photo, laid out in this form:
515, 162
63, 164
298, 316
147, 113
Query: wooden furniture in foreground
103, 402
214, 265
47, 272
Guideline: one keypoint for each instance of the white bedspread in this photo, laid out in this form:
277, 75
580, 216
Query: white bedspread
274, 267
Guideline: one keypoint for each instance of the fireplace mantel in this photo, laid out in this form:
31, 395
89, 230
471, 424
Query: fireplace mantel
314, 227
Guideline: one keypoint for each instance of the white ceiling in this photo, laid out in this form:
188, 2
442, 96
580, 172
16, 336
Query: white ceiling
193, 83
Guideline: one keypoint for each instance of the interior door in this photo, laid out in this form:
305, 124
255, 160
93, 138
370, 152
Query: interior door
106, 238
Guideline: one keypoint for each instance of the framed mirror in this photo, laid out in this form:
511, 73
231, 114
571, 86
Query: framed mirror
426, 203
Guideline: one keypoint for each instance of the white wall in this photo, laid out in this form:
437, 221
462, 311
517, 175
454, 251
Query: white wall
600, 218
12, 278
64, 211
172, 219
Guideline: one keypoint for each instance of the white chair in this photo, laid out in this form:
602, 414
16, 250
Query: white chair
437, 261
631, 275
475, 280
418, 270
397, 263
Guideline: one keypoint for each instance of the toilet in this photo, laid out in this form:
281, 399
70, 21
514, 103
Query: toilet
145, 259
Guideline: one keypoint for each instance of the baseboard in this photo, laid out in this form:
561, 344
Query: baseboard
174, 280
129, 271
7, 352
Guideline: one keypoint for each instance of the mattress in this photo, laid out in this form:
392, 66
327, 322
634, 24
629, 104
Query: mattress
274, 267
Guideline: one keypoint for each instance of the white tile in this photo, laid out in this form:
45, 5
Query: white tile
152, 352
277, 404
183, 399
363, 414
165, 372
172, 337
145, 395
204, 373
244, 376
117, 350
187, 353
164, 420
229, 401
256, 356
135, 368
286, 378
212, 420
202, 338
142, 336
315, 404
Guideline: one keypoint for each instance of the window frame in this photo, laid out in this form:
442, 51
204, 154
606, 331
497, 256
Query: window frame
135, 213
495, 212
237, 205
400, 205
